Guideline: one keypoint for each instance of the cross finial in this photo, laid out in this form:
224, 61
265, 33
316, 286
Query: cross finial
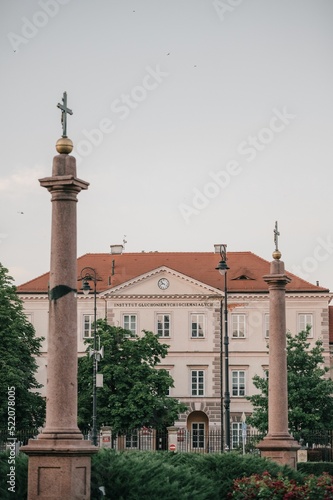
276, 234
64, 111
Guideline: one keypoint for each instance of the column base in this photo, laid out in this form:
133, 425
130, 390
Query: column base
281, 448
59, 469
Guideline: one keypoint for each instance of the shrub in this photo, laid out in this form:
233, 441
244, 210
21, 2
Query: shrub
146, 475
127, 475
265, 486
21, 477
171, 476
316, 468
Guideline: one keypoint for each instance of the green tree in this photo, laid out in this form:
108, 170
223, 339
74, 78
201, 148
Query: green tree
134, 392
18, 351
310, 391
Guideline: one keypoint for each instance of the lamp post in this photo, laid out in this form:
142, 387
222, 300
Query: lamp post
221, 370
89, 274
222, 267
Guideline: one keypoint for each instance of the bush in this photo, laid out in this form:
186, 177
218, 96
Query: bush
175, 476
315, 468
146, 475
171, 476
21, 477
264, 486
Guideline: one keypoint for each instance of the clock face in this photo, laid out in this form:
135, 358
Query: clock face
163, 283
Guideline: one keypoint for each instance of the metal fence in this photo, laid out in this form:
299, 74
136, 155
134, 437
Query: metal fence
319, 445
20, 438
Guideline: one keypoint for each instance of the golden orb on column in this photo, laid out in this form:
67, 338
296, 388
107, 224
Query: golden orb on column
64, 145
277, 255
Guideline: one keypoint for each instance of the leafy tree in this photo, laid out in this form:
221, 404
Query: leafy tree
18, 351
134, 392
310, 391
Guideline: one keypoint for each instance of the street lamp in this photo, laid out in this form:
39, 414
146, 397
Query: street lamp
89, 274
222, 267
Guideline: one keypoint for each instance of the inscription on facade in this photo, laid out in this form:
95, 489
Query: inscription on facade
163, 304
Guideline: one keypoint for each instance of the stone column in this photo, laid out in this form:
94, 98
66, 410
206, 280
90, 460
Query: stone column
278, 445
59, 459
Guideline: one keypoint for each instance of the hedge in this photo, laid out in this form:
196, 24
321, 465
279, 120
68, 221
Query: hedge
146, 475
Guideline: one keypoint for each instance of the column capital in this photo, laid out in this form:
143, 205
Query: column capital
63, 182
277, 277
63, 176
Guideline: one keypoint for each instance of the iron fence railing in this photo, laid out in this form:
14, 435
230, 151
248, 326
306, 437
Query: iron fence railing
319, 444
21, 437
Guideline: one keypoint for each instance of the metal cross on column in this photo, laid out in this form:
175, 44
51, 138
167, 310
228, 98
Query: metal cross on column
64, 111
276, 234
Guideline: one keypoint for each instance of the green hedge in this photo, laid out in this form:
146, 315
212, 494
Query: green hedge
21, 477
316, 468
175, 476
165, 475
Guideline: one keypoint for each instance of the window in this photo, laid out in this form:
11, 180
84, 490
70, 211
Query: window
266, 326
197, 383
131, 440
163, 325
130, 322
238, 383
197, 326
88, 321
236, 434
168, 389
238, 325
198, 435
305, 320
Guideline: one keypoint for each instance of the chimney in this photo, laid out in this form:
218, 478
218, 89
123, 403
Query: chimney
116, 249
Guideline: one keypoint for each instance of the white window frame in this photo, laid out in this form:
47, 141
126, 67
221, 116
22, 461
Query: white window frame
132, 322
132, 441
198, 319
163, 331
238, 383
198, 376
305, 319
168, 390
238, 331
198, 435
90, 318
236, 434
266, 325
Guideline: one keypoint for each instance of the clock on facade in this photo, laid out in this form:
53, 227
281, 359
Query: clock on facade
163, 283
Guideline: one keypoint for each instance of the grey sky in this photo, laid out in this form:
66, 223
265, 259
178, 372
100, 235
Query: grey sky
215, 119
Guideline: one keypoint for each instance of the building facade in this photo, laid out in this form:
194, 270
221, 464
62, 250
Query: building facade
180, 297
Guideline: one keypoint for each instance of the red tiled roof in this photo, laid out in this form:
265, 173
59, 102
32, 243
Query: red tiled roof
245, 274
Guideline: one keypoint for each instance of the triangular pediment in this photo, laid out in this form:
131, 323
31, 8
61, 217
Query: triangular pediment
162, 281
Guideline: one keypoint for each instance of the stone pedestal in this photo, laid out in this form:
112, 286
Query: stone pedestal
59, 459
278, 445
61, 472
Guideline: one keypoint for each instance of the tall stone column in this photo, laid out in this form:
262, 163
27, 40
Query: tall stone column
59, 459
278, 445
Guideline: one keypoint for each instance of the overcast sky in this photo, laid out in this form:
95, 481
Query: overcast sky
195, 122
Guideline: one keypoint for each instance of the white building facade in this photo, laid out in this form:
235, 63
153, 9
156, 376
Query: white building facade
180, 297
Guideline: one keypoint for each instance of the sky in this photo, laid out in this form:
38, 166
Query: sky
195, 122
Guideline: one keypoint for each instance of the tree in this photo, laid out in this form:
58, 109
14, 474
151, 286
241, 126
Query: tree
134, 392
310, 401
18, 351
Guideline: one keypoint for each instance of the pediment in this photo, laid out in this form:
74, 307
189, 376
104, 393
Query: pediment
173, 284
